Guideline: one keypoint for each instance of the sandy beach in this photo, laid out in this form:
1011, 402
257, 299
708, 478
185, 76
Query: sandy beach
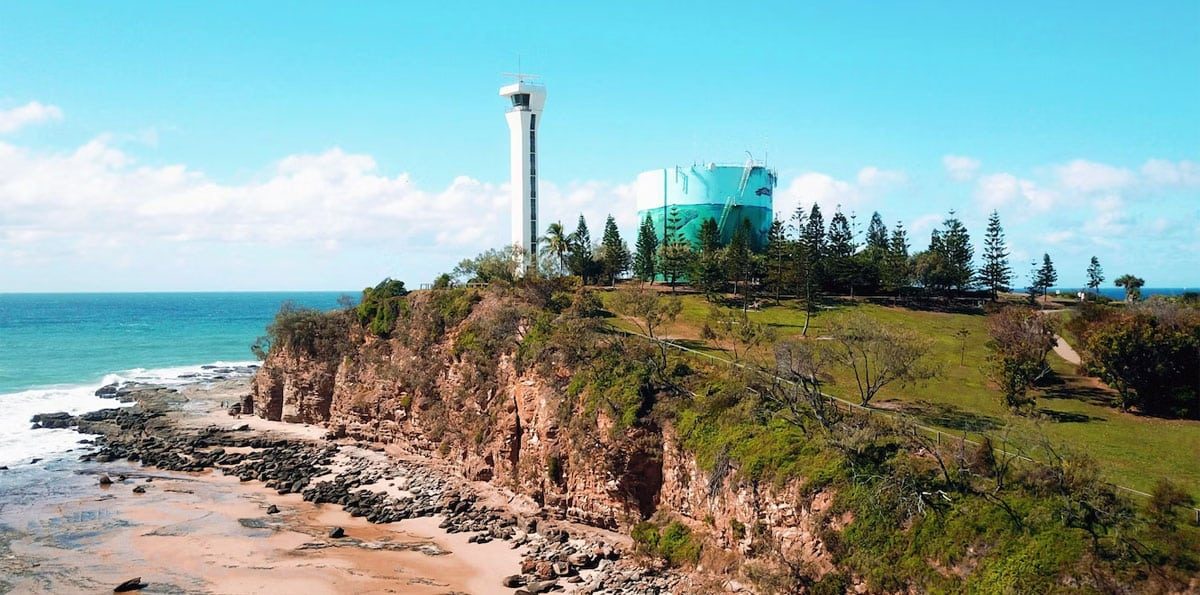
206, 532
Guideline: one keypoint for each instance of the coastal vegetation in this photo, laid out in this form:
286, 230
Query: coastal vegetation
910, 509
921, 412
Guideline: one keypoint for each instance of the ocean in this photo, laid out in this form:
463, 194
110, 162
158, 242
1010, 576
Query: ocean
57, 349
1118, 293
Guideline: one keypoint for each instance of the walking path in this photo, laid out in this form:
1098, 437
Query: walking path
1065, 351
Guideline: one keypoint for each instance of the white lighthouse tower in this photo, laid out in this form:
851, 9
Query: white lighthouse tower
524, 117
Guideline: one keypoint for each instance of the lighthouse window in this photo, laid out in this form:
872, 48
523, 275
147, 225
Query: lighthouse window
532, 140
520, 100
532, 120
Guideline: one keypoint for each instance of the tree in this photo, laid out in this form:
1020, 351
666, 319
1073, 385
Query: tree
1133, 286
812, 256
879, 354
1046, 275
1020, 340
648, 311
709, 236
645, 259
580, 260
556, 243
1150, 355
995, 274
897, 271
738, 258
734, 332
839, 255
675, 259
778, 255
958, 254
708, 268
1095, 275
801, 367
708, 273
877, 234
614, 254
490, 266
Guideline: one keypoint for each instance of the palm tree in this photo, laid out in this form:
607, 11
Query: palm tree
1133, 286
557, 243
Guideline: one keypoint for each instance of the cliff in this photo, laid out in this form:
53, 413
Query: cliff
528, 388
490, 383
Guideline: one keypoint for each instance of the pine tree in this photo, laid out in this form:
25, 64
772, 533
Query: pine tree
778, 253
958, 254
839, 259
580, 260
647, 251
675, 255
995, 274
709, 236
1095, 275
614, 254
897, 272
1046, 276
877, 235
812, 260
674, 261
737, 256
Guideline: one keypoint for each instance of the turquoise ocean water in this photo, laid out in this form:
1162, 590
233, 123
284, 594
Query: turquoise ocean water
57, 349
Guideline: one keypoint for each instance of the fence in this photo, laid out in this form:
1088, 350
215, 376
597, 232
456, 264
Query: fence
851, 406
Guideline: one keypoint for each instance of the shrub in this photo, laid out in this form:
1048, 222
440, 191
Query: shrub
381, 306
307, 331
673, 543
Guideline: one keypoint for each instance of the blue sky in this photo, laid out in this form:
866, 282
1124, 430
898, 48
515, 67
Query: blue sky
220, 146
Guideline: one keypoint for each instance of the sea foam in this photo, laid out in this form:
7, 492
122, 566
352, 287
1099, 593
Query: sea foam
20, 444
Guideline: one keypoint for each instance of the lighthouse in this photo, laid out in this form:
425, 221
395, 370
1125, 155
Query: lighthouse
524, 116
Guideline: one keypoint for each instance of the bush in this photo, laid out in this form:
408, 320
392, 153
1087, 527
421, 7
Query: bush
307, 331
674, 543
381, 306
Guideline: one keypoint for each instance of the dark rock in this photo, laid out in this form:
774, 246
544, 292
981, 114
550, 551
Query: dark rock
235, 409
139, 489
337, 533
61, 419
272, 509
541, 586
105, 479
133, 584
513, 581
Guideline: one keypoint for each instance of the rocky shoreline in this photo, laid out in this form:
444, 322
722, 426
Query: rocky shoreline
364, 482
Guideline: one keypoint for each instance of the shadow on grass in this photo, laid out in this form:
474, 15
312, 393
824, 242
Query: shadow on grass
1068, 417
1078, 389
947, 416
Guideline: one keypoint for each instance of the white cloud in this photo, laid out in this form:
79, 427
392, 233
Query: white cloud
1161, 172
1058, 237
831, 193
921, 227
98, 199
872, 177
960, 167
31, 113
995, 191
1085, 176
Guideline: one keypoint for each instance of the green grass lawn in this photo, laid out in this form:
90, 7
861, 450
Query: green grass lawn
1074, 412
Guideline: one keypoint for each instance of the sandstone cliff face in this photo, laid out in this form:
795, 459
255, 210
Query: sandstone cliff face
496, 422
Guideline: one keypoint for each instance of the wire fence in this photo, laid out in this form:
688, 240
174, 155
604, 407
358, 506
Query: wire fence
851, 407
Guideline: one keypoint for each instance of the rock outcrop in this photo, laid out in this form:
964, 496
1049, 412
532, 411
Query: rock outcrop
499, 422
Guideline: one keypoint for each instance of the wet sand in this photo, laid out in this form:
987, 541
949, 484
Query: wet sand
61, 532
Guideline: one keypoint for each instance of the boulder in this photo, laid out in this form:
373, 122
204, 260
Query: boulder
133, 584
337, 533
105, 480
